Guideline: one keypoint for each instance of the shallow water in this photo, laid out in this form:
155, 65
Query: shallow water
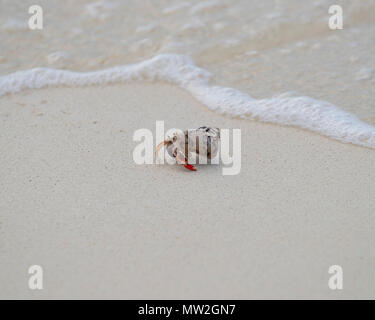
263, 48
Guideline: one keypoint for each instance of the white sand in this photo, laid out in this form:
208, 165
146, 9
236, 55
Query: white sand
74, 202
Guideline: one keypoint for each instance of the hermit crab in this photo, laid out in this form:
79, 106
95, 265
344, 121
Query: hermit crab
182, 145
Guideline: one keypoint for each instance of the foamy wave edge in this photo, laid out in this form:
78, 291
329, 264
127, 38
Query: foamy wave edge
304, 112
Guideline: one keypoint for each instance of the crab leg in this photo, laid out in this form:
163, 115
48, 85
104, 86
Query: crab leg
182, 160
160, 145
190, 167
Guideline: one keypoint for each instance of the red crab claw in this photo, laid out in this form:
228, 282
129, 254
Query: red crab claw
182, 160
190, 167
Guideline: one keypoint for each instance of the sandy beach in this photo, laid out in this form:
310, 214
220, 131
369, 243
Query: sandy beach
73, 200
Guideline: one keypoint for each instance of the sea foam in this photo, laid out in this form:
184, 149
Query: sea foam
304, 112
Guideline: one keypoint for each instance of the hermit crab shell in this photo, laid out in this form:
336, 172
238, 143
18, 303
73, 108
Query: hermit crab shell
203, 142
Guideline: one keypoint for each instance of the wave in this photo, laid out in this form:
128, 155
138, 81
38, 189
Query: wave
303, 112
